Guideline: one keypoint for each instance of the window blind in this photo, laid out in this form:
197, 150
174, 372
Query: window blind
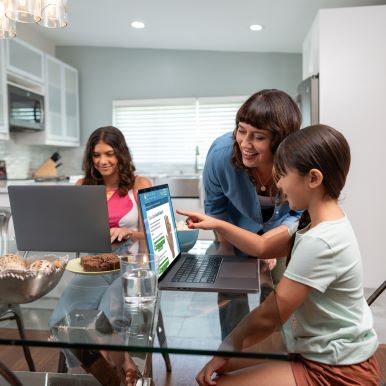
174, 131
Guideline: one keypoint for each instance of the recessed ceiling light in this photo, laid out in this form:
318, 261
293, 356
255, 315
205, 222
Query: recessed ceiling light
138, 24
256, 27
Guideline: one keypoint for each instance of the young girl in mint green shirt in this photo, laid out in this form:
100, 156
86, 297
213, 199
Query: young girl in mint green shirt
320, 298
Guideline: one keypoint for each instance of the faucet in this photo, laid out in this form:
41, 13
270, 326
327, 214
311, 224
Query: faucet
197, 153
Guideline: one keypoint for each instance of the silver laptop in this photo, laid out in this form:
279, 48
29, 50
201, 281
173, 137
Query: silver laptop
178, 271
60, 218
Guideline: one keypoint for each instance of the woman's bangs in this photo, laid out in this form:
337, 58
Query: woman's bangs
256, 115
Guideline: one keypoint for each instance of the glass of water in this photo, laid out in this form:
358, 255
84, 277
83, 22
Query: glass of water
139, 279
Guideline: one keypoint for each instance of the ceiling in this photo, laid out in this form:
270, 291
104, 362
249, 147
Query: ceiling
221, 25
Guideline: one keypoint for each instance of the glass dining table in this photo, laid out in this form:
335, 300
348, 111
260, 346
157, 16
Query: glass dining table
178, 322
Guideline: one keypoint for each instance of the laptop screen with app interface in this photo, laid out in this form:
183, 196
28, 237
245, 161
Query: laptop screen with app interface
160, 225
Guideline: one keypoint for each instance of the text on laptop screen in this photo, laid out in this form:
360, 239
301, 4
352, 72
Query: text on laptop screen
160, 226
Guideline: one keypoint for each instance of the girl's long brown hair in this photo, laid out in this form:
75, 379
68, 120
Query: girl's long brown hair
113, 137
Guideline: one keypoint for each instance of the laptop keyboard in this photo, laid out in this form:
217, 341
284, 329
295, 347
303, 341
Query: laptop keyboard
198, 269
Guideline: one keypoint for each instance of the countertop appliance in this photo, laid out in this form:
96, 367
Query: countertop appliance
25, 109
308, 100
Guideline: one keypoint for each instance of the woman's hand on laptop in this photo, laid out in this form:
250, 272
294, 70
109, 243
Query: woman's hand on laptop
119, 234
197, 220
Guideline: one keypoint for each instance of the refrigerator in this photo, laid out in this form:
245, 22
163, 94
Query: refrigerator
308, 100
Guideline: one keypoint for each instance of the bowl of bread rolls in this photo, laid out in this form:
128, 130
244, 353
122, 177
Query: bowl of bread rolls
25, 280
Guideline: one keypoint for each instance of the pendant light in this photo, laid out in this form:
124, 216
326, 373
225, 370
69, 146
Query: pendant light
48, 13
53, 13
23, 11
7, 26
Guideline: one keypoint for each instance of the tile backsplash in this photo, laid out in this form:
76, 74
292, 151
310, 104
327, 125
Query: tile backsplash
22, 160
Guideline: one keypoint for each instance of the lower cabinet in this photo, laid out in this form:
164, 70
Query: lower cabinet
4, 200
4, 131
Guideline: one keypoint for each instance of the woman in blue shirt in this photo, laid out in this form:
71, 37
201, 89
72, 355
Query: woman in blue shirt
238, 180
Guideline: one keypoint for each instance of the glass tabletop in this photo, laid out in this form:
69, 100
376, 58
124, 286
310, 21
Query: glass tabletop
189, 322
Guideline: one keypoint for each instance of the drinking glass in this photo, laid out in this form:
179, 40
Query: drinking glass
139, 279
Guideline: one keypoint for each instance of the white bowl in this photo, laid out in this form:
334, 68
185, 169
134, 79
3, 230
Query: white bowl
187, 239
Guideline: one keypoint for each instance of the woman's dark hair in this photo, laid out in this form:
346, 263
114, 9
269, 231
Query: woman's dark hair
113, 137
271, 110
315, 147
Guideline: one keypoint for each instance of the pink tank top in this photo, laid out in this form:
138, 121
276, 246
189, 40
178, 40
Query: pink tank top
123, 212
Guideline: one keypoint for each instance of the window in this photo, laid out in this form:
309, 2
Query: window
178, 132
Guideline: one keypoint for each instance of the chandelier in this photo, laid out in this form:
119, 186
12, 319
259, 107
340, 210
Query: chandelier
48, 13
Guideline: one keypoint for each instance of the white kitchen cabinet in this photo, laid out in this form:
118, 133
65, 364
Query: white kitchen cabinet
352, 85
25, 60
4, 200
311, 44
61, 107
62, 111
71, 103
4, 129
54, 101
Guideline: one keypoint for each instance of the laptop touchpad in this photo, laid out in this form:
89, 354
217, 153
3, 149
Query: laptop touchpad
241, 270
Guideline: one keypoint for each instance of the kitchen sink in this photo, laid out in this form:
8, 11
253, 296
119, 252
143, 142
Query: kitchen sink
185, 185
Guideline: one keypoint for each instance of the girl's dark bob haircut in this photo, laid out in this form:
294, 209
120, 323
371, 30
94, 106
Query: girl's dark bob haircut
316, 147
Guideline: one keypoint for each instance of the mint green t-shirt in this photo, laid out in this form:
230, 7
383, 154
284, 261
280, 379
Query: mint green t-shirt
334, 325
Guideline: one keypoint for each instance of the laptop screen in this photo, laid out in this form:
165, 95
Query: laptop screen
160, 225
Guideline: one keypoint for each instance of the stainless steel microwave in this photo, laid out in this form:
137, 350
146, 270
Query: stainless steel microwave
26, 109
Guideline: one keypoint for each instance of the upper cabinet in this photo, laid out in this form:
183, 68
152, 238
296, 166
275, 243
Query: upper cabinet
25, 60
311, 46
24, 65
3, 96
62, 105
71, 102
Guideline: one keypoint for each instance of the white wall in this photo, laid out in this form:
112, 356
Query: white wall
113, 73
352, 66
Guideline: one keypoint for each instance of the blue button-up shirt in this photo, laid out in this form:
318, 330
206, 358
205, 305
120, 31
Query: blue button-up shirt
230, 194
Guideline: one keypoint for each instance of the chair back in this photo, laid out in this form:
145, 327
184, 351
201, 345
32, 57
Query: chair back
376, 293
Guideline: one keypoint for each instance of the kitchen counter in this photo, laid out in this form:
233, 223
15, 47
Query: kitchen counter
5, 183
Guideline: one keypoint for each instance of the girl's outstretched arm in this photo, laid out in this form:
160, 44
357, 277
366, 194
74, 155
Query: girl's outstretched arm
277, 244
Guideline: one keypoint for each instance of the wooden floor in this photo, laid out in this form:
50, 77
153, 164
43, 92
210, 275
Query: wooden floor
184, 368
183, 373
